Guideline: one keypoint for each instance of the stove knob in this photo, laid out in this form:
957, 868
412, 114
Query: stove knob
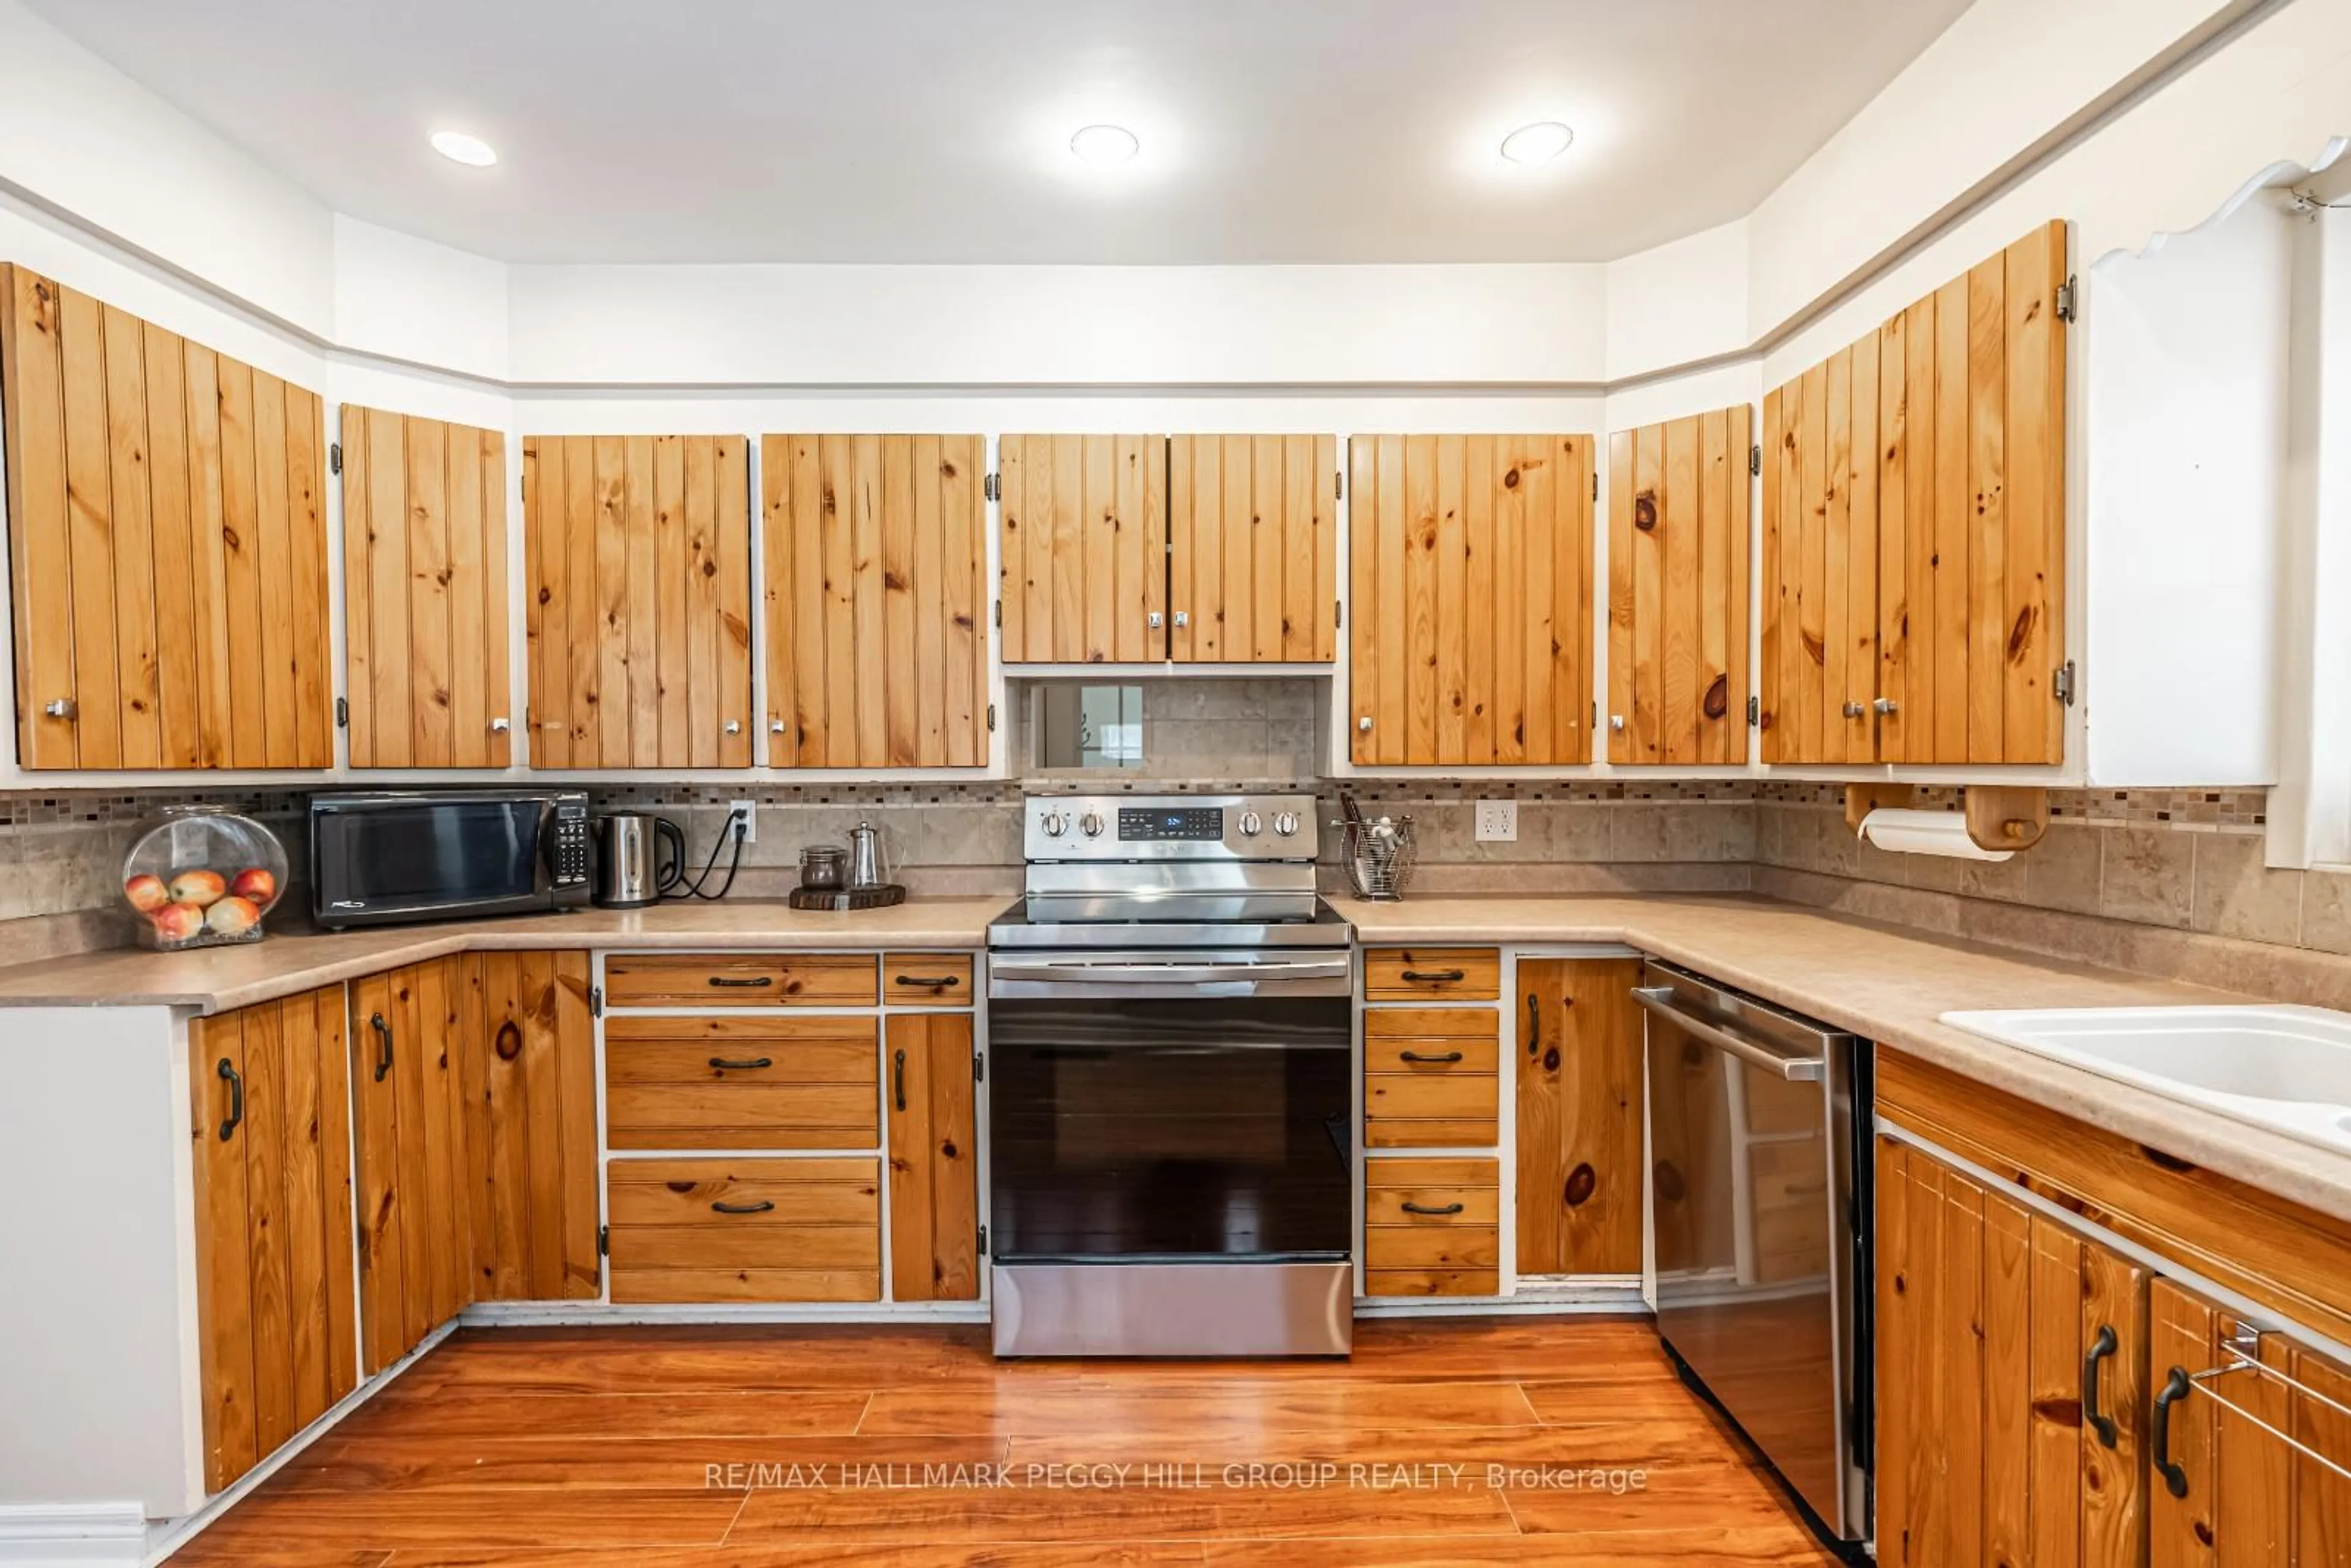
1285, 823
1091, 823
1250, 822
1055, 824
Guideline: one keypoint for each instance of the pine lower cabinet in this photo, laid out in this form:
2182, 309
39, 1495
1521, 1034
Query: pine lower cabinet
933, 1154
1432, 1094
1579, 1085
273, 1193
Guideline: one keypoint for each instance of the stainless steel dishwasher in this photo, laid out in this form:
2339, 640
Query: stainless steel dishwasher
1758, 1201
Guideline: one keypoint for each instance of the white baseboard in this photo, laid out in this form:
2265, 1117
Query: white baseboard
73, 1535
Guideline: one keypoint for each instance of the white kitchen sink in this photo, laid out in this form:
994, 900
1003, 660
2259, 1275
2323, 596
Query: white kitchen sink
2285, 1068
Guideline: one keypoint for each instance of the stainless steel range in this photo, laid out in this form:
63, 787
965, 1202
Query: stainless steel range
1171, 1150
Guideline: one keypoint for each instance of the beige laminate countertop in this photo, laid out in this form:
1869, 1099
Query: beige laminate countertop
1892, 987
215, 979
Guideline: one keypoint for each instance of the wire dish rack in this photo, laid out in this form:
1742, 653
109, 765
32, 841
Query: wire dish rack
1379, 855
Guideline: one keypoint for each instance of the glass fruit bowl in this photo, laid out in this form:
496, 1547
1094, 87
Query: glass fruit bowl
198, 876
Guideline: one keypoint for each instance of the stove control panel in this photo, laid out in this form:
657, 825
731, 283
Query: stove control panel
1170, 827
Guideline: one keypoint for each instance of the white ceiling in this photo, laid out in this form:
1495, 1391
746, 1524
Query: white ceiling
937, 131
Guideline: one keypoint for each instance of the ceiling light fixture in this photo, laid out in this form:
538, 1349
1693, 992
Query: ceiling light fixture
460, 148
1537, 143
1104, 144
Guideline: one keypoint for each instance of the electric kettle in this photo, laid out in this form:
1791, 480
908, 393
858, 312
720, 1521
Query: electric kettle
629, 870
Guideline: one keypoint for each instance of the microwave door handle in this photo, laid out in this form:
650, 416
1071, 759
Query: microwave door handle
1659, 999
1169, 974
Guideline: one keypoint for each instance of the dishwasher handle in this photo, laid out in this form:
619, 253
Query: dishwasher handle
1659, 1000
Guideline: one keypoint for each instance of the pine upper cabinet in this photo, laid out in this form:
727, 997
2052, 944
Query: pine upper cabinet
424, 592
2012, 1379
1677, 548
273, 1200
1470, 577
638, 600
934, 1158
1083, 521
1253, 548
2222, 1491
167, 542
1579, 1114
1914, 544
876, 592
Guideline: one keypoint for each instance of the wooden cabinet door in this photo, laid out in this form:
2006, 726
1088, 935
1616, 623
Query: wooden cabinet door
933, 1168
638, 600
1994, 1323
1470, 573
875, 582
272, 1195
415, 1236
1914, 530
1082, 525
1677, 546
528, 1073
1579, 1132
1253, 548
424, 592
2222, 1491
167, 544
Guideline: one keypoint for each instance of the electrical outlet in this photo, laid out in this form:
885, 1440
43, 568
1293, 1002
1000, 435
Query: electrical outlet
749, 811
1498, 821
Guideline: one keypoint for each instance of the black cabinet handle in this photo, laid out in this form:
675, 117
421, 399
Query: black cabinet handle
928, 982
745, 1066
1534, 1024
1412, 1207
382, 1046
235, 1097
754, 981
1437, 1056
2104, 1345
898, 1074
762, 1207
2174, 1473
1433, 976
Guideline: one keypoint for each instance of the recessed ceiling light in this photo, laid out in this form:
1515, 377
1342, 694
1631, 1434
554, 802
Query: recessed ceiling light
1104, 144
460, 148
1537, 143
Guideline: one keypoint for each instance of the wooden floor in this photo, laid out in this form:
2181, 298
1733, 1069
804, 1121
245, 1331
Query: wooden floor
676, 1448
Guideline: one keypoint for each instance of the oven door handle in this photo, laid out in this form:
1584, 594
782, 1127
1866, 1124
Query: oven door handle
1079, 972
1659, 999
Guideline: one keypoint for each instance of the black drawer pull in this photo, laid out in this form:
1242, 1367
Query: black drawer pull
928, 982
762, 1207
1433, 977
235, 1097
383, 1046
2174, 1473
1436, 1056
753, 981
2104, 1345
747, 1065
1440, 1210
898, 1072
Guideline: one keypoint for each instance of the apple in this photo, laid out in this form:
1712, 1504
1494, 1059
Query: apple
178, 922
146, 892
232, 916
197, 887
256, 882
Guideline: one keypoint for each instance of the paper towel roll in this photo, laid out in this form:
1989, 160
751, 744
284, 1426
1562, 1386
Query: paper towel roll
1926, 833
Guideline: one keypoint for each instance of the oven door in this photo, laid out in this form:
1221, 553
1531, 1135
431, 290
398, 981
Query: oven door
1170, 1107
391, 858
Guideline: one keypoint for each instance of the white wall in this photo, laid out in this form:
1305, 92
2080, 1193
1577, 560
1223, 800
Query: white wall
1679, 303
408, 298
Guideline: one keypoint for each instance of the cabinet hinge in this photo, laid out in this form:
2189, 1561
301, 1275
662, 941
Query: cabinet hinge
343, 713
1337, 614
983, 1241
603, 1241
2068, 297
991, 718
2060, 685
988, 488
1755, 461
979, 1067
335, 458
999, 615
1338, 486
595, 1001
1595, 713
1754, 713
1595, 484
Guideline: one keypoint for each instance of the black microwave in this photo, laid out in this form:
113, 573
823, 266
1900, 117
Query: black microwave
384, 857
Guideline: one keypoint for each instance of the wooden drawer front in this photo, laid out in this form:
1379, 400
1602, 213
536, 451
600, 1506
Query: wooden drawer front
926, 979
741, 1083
1431, 1057
1413, 974
1407, 1253
740, 980
1454, 1097
1416, 1095
745, 1230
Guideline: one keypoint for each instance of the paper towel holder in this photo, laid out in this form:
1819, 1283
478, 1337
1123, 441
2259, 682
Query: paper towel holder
1999, 816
